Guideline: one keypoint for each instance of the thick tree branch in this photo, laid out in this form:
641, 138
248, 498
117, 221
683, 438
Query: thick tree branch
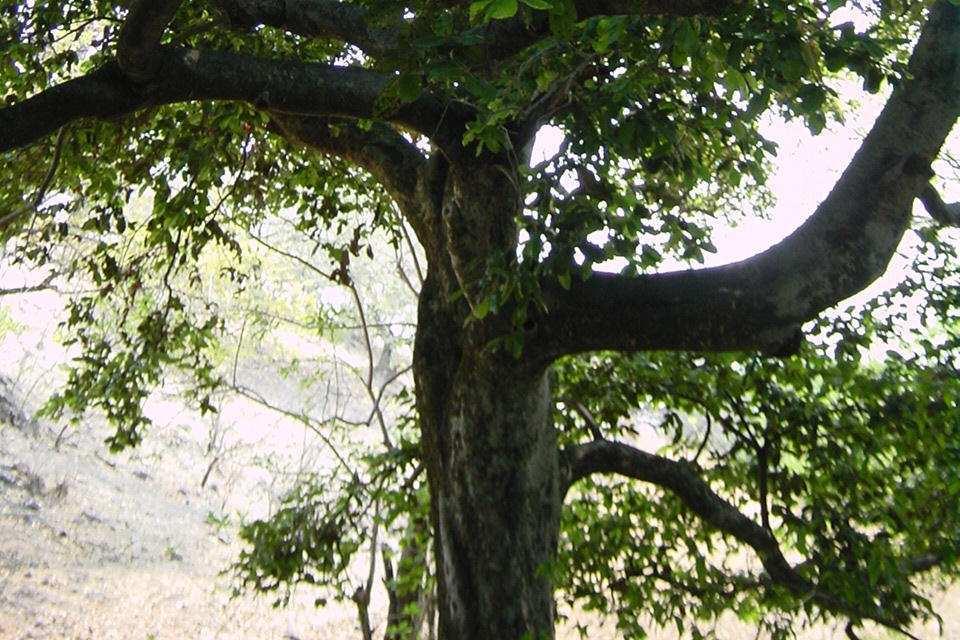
501, 39
138, 51
846, 244
946, 214
284, 86
681, 479
314, 19
498, 39
589, 8
681, 8
379, 149
609, 457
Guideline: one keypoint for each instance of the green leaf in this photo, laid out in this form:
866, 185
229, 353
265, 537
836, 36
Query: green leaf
493, 9
482, 309
478, 8
502, 9
409, 87
563, 18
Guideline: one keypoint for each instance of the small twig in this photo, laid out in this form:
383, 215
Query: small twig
404, 277
206, 476
706, 438
368, 382
946, 214
244, 157
373, 549
109, 463
588, 418
44, 186
408, 483
413, 251
56, 443
362, 594
236, 355
383, 388
305, 263
762, 480
366, 331
52, 171
43, 286
303, 419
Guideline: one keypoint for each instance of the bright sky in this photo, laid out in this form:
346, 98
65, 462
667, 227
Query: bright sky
806, 168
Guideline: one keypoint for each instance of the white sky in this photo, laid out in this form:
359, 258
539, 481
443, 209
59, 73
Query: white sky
805, 169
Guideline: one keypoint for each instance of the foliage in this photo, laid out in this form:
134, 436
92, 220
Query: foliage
7, 324
846, 455
848, 451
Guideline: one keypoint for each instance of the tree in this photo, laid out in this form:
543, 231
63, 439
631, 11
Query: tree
429, 109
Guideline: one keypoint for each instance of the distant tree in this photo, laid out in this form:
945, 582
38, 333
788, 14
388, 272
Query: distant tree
821, 486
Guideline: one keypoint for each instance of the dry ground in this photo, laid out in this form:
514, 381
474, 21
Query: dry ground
94, 546
99, 546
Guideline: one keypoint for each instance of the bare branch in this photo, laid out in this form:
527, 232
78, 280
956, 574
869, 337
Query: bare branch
605, 456
592, 425
316, 426
707, 432
45, 285
52, 171
291, 256
361, 596
413, 255
9, 218
375, 398
845, 245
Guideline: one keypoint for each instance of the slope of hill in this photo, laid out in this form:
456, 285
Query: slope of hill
127, 546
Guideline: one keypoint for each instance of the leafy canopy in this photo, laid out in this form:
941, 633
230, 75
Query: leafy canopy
848, 462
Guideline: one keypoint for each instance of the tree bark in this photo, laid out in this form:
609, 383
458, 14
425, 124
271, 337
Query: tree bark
492, 461
489, 445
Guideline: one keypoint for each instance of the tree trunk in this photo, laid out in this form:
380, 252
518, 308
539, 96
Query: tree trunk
491, 456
